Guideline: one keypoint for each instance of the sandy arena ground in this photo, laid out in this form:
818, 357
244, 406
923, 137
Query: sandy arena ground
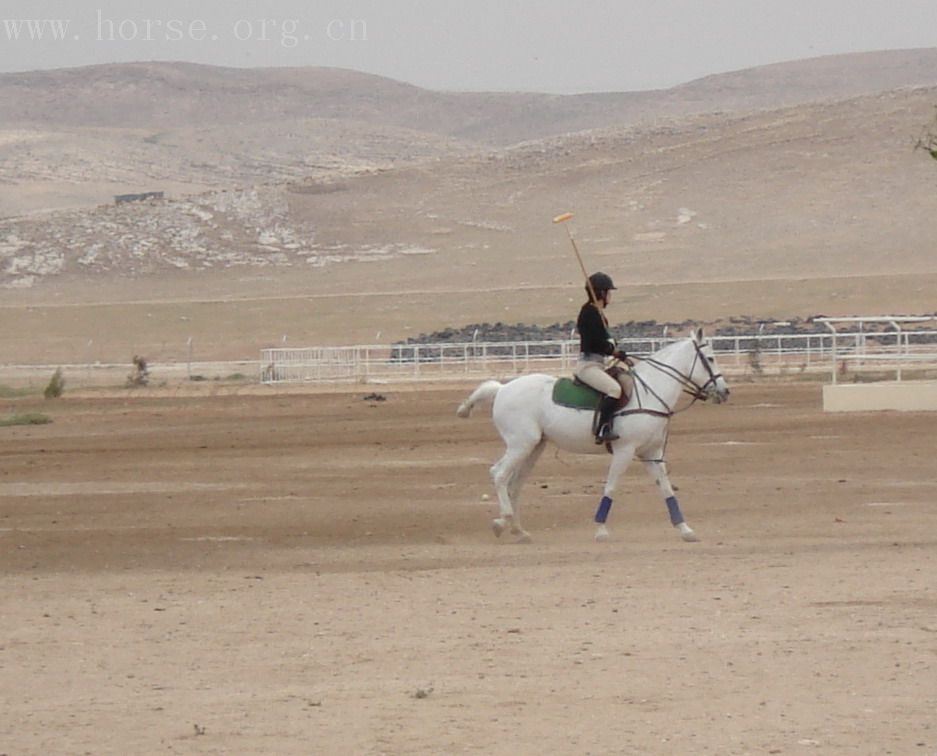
315, 574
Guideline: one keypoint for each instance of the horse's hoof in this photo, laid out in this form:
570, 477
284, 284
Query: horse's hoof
498, 527
524, 538
601, 534
686, 533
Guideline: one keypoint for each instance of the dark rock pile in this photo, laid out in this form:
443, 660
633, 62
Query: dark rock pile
633, 329
632, 334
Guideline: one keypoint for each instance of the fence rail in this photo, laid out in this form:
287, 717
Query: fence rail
753, 354
116, 374
854, 355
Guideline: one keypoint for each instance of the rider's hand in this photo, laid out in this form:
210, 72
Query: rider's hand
620, 354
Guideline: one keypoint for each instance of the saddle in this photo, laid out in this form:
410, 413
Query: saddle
573, 393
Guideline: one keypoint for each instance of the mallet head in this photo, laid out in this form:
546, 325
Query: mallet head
562, 218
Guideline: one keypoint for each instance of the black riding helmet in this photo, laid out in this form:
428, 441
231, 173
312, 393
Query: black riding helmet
600, 283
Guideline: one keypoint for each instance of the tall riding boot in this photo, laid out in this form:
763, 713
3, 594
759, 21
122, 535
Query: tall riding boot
607, 409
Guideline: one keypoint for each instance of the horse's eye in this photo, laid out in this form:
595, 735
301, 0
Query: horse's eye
712, 360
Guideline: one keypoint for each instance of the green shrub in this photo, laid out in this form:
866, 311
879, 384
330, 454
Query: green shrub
56, 385
26, 418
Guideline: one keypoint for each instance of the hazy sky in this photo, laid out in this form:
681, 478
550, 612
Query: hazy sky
542, 45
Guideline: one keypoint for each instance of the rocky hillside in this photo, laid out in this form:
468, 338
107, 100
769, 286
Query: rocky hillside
831, 188
215, 230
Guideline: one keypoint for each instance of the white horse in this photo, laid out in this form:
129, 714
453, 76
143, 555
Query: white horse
527, 417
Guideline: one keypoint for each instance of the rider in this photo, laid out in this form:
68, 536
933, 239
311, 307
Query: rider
595, 345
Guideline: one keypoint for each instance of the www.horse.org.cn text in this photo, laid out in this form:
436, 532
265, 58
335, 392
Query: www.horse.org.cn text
286, 32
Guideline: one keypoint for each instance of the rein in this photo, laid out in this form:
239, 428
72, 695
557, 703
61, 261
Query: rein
690, 387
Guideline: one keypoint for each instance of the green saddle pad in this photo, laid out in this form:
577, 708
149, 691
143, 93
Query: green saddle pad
570, 393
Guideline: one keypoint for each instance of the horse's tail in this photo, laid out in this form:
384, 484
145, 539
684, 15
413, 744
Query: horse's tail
486, 392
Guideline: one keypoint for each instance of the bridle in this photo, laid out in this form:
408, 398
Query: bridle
696, 391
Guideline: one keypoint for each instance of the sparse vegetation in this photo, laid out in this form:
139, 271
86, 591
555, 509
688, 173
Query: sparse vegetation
25, 418
56, 386
11, 392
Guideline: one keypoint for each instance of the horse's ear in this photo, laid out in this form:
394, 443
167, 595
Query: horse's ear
698, 335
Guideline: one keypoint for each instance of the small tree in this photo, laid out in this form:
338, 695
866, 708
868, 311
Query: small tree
56, 385
141, 372
928, 139
754, 358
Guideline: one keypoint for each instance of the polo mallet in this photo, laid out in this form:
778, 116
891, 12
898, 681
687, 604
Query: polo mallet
563, 219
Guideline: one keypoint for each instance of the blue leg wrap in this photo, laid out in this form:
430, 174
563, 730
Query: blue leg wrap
676, 516
601, 514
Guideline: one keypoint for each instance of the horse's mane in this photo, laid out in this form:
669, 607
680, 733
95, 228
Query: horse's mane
671, 347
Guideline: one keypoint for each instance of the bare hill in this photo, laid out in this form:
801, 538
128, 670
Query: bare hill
814, 207
177, 95
74, 137
832, 77
813, 190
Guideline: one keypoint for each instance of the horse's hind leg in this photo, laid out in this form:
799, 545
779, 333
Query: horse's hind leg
515, 485
508, 474
658, 472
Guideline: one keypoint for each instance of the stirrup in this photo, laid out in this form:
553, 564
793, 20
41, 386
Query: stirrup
606, 435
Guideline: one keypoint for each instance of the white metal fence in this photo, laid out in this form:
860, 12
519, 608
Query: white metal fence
854, 356
877, 352
755, 354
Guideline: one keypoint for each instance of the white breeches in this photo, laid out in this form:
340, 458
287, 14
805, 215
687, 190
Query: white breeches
593, 374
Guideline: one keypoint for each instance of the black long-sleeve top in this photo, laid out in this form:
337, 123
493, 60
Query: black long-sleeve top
594, 337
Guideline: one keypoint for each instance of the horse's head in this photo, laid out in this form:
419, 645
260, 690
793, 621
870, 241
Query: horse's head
705, 373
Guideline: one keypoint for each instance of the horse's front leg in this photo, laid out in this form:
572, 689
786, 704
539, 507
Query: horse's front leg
621, 458
658, 472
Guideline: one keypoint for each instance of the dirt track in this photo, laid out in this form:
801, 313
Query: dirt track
315, 574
